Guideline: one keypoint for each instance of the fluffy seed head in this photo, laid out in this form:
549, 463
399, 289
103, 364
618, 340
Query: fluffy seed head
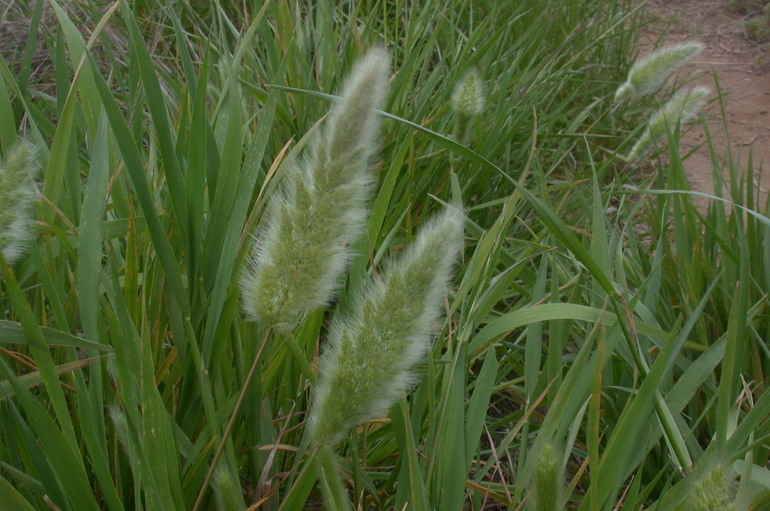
17, 199
548, 481
370, 355
710, 493
469, 96
300, 252
647, 75
227, 489
679, 109
353, 122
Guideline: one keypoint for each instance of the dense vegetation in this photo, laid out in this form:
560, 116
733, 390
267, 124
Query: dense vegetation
604, 341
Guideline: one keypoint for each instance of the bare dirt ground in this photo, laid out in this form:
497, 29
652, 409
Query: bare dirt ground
742, 68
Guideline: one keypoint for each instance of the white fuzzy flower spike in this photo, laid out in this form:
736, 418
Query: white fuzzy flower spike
300, 254
17, 198
647, 75
468, 97
369, 360
679, 109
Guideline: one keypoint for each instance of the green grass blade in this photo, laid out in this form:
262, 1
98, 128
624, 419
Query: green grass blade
90, 231
12, 332
477, 406
135, 168
157, 108
417, 492
7, 124
450, 471
34, 378
61, 453
297, 495
10, 499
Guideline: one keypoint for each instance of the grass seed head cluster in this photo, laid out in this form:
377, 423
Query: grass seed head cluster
683, 106
17, 199
299, 257
547, 488
646, 77
371, 354
469, 95
710, 492
649, 74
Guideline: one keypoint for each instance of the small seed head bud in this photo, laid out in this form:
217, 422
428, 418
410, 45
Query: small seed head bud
710, 493
468, 97
548, 481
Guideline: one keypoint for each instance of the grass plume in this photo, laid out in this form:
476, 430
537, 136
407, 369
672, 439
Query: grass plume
370, 355
468, 97
299, 255
648, 75
710, 493
680, 108
17, 197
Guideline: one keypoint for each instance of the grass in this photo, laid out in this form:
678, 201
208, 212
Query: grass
593, 311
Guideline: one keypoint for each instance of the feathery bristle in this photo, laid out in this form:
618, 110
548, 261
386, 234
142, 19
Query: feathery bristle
300, 253
370, 355
648, 74
468, 97
17, 198
679, 109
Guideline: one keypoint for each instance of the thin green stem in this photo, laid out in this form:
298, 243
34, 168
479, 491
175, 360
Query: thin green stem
231, 423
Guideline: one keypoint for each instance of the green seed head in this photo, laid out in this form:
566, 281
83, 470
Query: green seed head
300, 253
679, 109
368, 362
710, 493
354, 121
548, 481
648, 75
17, 199
468, 97
227, 491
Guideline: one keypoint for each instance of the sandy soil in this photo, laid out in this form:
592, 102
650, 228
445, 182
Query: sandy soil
743, 72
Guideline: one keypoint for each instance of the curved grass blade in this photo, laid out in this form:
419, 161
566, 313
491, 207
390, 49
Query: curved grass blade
12, 332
